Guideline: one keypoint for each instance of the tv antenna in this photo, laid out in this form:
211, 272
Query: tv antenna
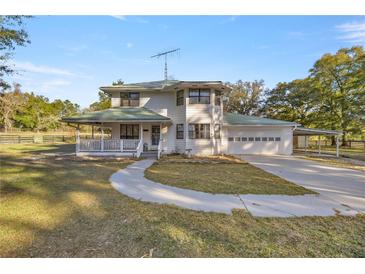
165, 55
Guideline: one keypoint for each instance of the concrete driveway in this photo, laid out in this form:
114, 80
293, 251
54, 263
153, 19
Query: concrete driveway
345, 186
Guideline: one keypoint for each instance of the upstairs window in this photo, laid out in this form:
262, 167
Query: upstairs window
180, 98
180, 131
129, 99
199, 96
199, 131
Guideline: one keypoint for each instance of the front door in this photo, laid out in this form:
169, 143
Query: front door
155, 135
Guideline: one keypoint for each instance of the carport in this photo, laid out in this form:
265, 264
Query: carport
302, 131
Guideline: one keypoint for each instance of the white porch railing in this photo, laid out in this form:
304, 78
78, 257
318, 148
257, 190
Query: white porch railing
107, 145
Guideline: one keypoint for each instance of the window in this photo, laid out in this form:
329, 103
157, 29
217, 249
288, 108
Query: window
129, 99
180, 131
199, 96
237, 139
230, 139
129, 131
250, 139
217, 131
257, 139
180, 98
218, 96
271, 139
244, 139
277, 139
199, 131
264, 139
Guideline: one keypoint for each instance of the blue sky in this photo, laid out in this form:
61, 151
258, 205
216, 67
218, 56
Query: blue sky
70, 57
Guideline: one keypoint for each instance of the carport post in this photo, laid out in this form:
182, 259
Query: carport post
305, 143
78, 138
102, 137
337, 147
319, 144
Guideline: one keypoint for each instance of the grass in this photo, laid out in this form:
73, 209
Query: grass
220, 175
352, 153
337, 162
60, 206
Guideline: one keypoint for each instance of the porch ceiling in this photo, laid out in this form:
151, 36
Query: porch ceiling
302, 131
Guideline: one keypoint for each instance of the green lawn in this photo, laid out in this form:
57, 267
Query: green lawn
60, 206
220, 175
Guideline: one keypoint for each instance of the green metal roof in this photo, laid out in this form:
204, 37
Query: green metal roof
246, 120
117, 114
157, 85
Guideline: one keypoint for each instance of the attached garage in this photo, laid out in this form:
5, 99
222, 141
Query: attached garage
254, 135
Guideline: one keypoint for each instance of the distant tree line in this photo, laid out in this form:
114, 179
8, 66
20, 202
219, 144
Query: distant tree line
26, 110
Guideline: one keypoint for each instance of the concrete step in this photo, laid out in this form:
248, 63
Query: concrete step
149, 154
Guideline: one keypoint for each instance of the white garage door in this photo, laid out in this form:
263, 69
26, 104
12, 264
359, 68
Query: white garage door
258, 140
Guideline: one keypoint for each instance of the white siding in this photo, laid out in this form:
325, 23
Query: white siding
164, 103
284, 146
115, 99
204, 114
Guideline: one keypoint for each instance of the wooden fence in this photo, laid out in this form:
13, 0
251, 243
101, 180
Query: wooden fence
24, 139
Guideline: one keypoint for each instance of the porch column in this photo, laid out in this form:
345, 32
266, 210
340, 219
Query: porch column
337, 147
102, 137
78, 138
319, 144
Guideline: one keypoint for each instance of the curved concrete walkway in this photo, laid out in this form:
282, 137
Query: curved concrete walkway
131, 182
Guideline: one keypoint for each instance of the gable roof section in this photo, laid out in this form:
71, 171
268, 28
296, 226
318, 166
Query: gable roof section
117, 115
159, 85
235, 119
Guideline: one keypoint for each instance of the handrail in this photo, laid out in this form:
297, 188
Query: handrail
159, 149
140, 148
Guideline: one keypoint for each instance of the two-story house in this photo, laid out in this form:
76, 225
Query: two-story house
179, 117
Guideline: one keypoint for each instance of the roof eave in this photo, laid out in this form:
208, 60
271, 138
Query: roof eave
261, 125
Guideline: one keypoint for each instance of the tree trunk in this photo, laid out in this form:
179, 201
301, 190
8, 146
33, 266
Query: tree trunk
344, 139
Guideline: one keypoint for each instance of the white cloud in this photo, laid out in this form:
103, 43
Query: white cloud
30, 67
120, 17
230, 19
50, 85
141, 20
353, 32
130, 45
73, 48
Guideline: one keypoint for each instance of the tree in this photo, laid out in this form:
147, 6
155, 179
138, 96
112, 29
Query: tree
119, 82
12, 34
103, 103
245, 97
10, 103
294, 101
340, 82
331, 97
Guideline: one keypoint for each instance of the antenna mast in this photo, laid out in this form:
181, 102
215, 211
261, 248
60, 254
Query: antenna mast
165, 55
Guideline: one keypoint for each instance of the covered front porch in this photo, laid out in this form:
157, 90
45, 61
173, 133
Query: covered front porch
120, 132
